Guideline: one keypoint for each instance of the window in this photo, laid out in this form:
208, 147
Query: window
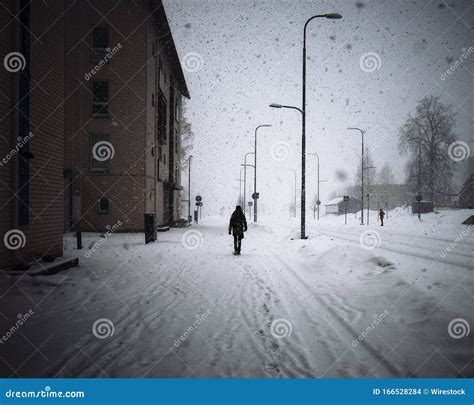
161, 75
161, 120
99, 43
99, 151
103, 205
100, 98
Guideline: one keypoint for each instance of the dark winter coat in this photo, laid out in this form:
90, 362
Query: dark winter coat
238, 223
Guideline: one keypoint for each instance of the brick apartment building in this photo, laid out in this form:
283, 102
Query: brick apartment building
31, 130
123, 87
89, 121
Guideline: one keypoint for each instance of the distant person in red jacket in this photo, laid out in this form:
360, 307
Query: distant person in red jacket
381, 216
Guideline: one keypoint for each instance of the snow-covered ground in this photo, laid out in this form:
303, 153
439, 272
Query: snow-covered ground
350, 301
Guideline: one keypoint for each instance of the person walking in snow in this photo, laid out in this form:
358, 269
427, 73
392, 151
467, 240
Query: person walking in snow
381, 216
237, 227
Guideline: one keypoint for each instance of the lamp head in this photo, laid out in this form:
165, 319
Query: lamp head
275, 105
333, 16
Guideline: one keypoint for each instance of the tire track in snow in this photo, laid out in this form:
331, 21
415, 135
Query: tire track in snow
334, 315
460, 262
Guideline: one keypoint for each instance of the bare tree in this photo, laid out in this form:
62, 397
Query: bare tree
386, 175
431, 128
187, 135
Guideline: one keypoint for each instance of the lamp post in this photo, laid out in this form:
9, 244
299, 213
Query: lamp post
319, 201
418, 197
189, 188
332, 16
294, 202
255, 173
362, 176
245, 169
368, 183
245, 177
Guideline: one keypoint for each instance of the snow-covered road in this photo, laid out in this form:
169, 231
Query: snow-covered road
186, 307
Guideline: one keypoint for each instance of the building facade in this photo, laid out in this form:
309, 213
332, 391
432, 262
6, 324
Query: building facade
31, 131
123, 87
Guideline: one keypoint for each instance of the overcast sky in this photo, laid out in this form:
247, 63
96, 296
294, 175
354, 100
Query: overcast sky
239, 56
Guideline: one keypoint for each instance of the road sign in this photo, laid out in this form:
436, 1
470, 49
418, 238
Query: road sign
255, 195
250, 203
199, 204
198, 198
346, 198
318, 202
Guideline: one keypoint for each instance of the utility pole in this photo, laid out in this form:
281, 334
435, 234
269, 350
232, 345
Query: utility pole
362, 176
255, 196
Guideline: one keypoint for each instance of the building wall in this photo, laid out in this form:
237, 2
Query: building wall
124, 182
131, 182
43, 230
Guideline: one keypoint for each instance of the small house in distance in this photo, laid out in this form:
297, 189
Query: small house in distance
337, 206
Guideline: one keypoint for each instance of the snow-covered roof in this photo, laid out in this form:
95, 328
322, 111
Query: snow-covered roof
335, 201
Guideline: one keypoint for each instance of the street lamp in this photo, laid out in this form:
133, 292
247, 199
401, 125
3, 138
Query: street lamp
294, 171
418, 197
368, 194
189, 188
245, 183
332, 16
362, 176
245, 178
255, 173
318, 203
